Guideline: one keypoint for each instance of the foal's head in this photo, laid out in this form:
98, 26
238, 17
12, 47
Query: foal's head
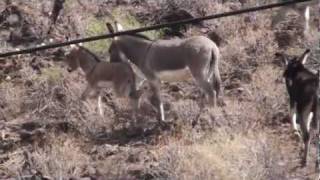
71, 59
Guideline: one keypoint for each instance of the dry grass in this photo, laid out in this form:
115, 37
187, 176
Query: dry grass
62, 157
220, 156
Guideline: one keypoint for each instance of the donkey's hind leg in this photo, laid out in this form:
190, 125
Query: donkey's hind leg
293, 118
216, 82
206, 87
303, 118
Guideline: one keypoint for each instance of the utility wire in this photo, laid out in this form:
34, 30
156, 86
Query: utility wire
154, 27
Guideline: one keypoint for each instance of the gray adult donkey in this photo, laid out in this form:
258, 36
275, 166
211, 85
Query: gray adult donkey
100, 74
159, 59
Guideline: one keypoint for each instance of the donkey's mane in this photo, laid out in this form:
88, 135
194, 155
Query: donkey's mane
95, 57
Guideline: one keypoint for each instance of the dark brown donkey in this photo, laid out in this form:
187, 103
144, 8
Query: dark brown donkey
302, 86
100, 74
168, 59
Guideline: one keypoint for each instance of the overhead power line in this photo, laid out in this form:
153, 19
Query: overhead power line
154, 27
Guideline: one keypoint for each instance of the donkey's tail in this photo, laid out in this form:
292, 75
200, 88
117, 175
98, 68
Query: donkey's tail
214, 73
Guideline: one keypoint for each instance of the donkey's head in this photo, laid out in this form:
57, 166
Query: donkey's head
71, 58
294, 64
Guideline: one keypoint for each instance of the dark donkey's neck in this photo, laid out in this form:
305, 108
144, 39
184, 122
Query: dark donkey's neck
134, 47
87, 60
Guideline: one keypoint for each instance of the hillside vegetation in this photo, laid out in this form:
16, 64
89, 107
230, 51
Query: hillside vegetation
47, 132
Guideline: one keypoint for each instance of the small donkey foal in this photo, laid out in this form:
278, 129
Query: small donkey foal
100, 74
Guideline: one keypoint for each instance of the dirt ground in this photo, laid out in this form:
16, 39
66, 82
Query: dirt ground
47, 132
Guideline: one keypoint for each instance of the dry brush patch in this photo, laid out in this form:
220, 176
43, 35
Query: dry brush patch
220, 155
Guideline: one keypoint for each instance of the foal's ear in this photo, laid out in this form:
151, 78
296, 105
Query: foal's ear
110, 28
303, 58
283, 58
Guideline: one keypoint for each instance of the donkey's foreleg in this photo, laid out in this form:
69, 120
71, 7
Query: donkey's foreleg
156, 99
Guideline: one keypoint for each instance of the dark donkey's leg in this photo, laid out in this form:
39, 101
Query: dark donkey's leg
293, 116
303, 116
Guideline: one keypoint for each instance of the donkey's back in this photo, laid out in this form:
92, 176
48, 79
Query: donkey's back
177, 54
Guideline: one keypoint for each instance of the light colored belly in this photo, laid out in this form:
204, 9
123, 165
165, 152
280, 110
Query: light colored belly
175, 75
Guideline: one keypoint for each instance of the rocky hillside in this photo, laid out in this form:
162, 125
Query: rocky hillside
47, 132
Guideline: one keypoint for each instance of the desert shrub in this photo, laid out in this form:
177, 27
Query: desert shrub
96, 27
219, 156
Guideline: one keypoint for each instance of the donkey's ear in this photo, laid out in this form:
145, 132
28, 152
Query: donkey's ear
303, 58
118, 26
283, 58
110, 28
